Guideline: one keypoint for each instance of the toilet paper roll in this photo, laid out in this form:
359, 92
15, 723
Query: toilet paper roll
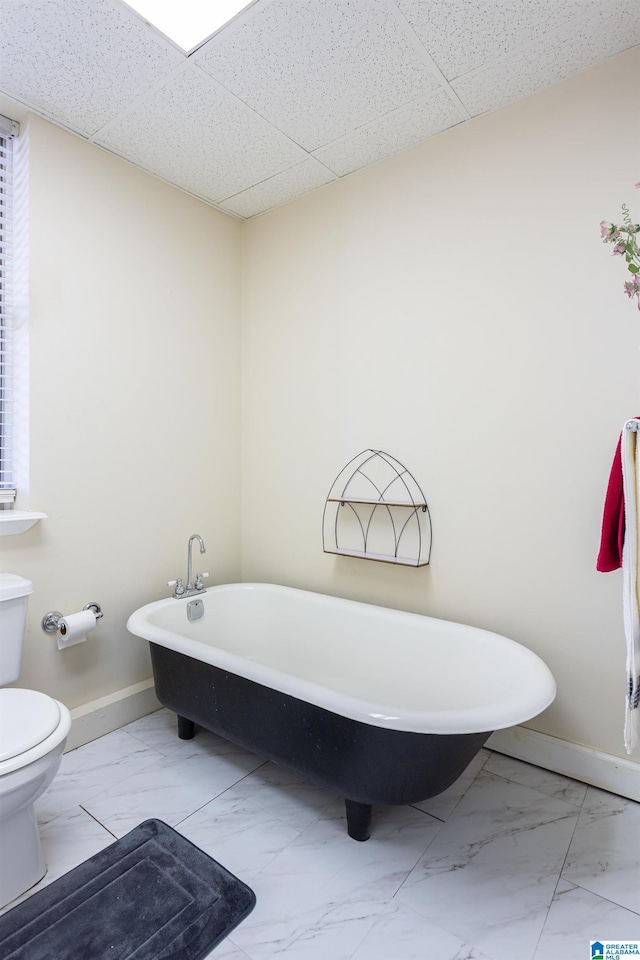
74, 628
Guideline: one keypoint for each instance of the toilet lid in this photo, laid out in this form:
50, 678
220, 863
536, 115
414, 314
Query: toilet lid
26, 719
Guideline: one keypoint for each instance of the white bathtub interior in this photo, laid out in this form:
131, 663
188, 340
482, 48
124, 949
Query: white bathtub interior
385, 667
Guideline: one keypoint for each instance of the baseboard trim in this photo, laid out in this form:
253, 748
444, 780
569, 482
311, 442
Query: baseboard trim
569, 759
94, 719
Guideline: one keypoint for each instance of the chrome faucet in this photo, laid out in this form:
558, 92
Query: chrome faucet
189, 585
187, 591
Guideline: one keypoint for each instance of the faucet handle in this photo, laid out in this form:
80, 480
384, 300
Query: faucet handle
199, 579
178, 585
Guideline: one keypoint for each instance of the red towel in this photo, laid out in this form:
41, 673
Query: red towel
612, 536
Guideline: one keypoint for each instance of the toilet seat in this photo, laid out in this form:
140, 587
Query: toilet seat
27, 719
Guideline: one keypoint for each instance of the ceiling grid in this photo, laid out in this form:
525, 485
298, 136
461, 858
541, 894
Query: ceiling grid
293, 94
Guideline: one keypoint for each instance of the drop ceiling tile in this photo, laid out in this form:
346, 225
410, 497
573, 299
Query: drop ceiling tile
285, 186
398, 130
583, 44
318, 69
79, 63
461, 35
194, 134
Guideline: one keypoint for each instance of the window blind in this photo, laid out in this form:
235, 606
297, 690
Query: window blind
7, 480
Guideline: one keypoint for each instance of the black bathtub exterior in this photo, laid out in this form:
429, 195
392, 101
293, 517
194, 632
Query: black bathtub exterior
365, 764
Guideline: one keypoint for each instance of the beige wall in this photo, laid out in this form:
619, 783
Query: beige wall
134, 332
454, 306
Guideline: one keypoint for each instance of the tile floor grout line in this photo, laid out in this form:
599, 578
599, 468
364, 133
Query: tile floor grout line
244, 777
432, 815
461, 798
614, 903
99, 822
573, 833
239, 949
424, 852
546, 916
466, 943
143, 743
559, 878
222, 792
441, 822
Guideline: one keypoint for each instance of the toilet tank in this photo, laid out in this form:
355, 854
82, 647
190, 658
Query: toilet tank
14, 596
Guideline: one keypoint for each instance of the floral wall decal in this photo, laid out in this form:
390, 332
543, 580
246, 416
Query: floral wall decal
625, 240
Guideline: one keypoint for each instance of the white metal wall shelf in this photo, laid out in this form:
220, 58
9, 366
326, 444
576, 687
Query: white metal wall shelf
376, 510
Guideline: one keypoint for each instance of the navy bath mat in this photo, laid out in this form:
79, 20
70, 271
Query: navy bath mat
152, 895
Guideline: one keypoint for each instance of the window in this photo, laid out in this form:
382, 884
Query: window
8, 131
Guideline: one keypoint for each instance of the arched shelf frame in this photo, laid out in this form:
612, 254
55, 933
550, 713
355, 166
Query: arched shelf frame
376, 510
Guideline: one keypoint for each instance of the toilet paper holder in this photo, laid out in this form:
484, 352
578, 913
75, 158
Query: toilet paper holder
51, 620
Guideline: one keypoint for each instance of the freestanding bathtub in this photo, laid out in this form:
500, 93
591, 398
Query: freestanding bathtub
378, 705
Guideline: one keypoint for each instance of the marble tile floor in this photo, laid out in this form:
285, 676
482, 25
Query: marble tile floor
511, 863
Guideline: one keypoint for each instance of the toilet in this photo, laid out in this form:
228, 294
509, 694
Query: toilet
33, 733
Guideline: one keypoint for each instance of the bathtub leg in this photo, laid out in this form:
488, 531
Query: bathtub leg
358, 819
186, 728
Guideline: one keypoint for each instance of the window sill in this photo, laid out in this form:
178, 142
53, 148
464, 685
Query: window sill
18, 521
